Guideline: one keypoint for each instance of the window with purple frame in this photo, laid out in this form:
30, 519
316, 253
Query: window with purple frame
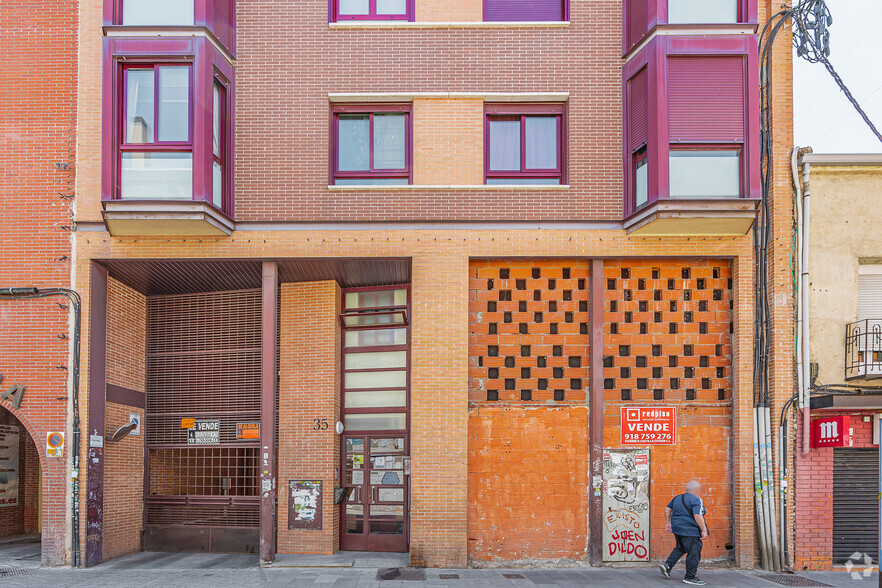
218, 144
345, 10
156, 148
371, 145
524, 144
526, 10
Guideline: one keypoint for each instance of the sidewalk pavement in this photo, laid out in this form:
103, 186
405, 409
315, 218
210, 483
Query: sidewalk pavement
241, 571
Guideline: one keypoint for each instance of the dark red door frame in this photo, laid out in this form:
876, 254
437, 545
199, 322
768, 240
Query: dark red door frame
268, 373
97, 387
595, 414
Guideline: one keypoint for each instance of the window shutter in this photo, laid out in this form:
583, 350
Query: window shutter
706, 98
638, 20
870, 296
638, 88
524, 10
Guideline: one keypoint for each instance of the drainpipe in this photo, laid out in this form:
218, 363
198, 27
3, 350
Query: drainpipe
805, 404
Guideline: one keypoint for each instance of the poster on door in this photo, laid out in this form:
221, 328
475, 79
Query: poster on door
625, 505
9, 465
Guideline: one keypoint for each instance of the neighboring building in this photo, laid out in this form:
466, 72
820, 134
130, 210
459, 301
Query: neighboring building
837, 474
38, 120
475, 236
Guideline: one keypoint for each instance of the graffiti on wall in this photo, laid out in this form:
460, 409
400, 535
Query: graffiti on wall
626, 505
9, 449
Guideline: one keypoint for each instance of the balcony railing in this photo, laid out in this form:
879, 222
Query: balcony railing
863, 349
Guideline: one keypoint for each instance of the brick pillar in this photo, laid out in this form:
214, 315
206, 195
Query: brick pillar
309, 353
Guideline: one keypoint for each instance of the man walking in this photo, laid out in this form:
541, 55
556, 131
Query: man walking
685, 518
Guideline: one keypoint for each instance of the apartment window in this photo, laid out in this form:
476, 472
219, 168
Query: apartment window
641, 178
524, 144
870, 292
703, 11
158, 12
371, 145
156, 149
526, 10
705, 173
219, 144
372, 10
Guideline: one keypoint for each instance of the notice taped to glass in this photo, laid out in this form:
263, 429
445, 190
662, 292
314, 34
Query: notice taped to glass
9, 449
204, 433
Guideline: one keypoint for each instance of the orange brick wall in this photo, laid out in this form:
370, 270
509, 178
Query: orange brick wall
124, 460
449, 10
448, 141
692, 371
309, 387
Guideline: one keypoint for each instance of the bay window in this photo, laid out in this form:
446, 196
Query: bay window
705, 173
218, 144
156, 150
703, 11
524, 144
158, 12
371, 145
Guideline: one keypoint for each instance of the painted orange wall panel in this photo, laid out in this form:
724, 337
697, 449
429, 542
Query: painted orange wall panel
449, 10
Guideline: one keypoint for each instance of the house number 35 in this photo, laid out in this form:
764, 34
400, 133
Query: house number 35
320, 424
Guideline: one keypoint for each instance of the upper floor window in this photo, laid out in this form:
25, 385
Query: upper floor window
373, 10
219, 145
526, 10
703, 11
158, 12
524, 144
705, 173
371, 145
156, 149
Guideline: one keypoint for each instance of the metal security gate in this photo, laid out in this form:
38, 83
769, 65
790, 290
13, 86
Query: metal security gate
201, 422
855, 503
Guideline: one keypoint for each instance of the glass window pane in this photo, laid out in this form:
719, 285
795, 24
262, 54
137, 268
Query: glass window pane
702, 11
389, 141
641, 183
217, 185
705, 174
353, 142
354, 7
390, 494
541, 142
374, 422
174, 104
355, 476
139, 106
505, 145
216, 122
376, 298
523, 181
389, 445
387, 478
376, 399
373, 338
158, 12
373, 319
379, 359
361, 380
391, 6
387, 462
157, 176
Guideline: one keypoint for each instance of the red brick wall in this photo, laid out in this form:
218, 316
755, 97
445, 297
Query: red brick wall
703, 449
309, 354
37, 151
813, 507
124, 460
282, 108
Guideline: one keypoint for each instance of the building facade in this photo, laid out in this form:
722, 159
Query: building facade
837, 468
38, 121
457, 279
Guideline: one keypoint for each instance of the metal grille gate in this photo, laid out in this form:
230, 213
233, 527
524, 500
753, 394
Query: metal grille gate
203, 363
855, 506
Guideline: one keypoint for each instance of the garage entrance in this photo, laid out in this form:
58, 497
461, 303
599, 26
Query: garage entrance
202, 419
855, 503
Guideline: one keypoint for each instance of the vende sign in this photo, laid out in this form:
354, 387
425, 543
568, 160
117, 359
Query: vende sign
831, 432
642, 425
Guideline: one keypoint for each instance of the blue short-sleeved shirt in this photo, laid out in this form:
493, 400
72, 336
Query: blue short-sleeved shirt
683, 521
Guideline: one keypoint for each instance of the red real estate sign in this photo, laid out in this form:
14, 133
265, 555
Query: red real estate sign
831, 432
642, 425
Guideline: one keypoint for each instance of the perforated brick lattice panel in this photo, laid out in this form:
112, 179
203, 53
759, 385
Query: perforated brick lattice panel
668, 326
790, 580
528, 329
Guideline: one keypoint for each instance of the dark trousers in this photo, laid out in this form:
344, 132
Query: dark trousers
692, 547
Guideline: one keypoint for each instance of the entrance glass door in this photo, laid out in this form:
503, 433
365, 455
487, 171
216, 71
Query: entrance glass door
375, 512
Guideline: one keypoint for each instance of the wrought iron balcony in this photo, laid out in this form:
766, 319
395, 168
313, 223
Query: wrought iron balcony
863, 349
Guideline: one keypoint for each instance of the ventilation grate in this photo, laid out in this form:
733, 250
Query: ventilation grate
402, 574
4, 571
791, 580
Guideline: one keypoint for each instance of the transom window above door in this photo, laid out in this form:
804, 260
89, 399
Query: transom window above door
345, 10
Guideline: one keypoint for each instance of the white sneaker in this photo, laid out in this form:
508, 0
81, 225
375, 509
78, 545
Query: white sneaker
696, 581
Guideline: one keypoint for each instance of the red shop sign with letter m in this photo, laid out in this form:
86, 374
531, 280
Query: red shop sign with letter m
831, 432
644, 425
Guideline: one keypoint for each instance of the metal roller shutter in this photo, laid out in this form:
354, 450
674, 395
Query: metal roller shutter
870, 296
524, 10
855, 505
